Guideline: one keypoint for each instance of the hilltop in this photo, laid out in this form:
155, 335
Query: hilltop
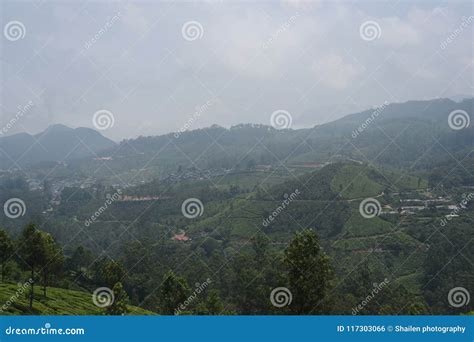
412, 134
56, 143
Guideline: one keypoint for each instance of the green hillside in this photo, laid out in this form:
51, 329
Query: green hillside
231, 243
402, 136
360, 180
57, 302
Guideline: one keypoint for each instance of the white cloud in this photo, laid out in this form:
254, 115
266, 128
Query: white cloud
321, 43
302, 4
397, 33
334, 72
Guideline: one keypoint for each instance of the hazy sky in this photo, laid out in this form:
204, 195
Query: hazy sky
152, 64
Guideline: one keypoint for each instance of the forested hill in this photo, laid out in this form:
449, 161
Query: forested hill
234, 242
56, 143
397, 134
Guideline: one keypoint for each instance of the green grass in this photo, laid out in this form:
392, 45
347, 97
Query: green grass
387, 242
358, 226
356, 181
240, 218
57, 302
352, 182
411, 282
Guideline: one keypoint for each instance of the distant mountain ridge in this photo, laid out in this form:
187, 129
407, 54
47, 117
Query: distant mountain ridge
56, 143
396, 134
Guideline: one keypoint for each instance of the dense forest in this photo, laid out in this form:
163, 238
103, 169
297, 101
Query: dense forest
307, 222
318, 246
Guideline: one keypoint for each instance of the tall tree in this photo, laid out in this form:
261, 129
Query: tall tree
260, 245
212, 305
108, 272
119, 304
32, 253
173, 292
80, 259
53, 260
248, 287
6, 250
309, 273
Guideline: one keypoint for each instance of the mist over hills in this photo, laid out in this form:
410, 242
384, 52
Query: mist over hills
415, 131
410, 159
56, 143
405, 132
238, 158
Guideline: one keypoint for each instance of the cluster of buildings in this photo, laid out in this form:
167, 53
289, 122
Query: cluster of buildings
135, 198
411, 206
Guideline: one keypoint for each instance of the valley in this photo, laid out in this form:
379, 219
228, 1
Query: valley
388, 204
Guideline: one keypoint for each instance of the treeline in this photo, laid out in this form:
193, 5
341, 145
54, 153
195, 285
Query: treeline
299, 280
36, 259
35, 252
